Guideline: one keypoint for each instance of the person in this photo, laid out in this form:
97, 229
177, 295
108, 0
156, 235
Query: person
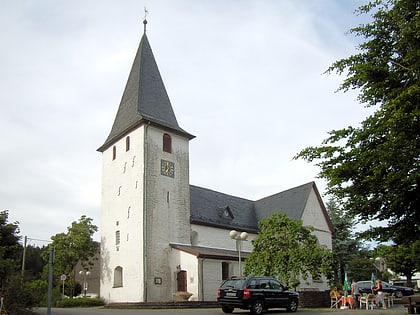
355, 293
379, 294
334, 293
335, 296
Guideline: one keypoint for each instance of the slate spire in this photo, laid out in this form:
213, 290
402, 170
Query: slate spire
145, 99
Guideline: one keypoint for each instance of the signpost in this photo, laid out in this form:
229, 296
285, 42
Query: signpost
63, 278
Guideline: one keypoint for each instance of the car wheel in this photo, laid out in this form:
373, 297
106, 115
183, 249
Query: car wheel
398, 294
227, 309
293, 306
257, 307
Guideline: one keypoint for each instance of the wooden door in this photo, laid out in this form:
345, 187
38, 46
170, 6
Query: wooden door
182, 281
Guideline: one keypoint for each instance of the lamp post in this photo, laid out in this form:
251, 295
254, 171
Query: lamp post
84, 273
239, 237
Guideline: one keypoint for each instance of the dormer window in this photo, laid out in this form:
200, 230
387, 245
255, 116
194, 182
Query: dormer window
227, 213
167, 143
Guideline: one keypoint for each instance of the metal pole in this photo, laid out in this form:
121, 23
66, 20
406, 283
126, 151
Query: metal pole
84, 283
239, 254
50, 278
24, 256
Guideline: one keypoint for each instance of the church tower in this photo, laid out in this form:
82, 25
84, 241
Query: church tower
145, 189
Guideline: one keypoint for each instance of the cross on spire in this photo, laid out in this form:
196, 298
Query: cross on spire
144, 19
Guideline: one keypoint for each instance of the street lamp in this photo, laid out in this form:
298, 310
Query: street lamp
239, 237
84, 273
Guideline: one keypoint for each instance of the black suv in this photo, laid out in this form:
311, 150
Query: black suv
256, 294
398, 291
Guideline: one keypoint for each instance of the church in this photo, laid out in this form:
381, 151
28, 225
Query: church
161, 237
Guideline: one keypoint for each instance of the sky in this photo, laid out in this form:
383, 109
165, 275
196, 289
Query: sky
246, 77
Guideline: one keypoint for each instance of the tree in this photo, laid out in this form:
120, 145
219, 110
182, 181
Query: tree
350, 255
74, 246
13, 290
34, 263
345, 246
9, 248
374, 169
402, 259
362, 265
287, 250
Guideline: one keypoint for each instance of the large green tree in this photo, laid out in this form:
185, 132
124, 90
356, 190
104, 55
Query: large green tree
10, 248
287, 250
402, 259
16, 294
34, 263
74, 246
374, 168
344, 244
350, 254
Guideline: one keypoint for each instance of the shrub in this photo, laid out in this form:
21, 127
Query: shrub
81, 302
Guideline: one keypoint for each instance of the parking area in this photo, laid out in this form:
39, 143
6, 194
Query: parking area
397, 309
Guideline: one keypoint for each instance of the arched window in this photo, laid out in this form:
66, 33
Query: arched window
114, 152
118, 277
127, 143
167, 143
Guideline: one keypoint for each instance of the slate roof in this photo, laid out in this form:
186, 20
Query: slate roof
144, 100
208, 207
291, 202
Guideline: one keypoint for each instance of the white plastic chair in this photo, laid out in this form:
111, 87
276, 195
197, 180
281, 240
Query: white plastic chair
367, 300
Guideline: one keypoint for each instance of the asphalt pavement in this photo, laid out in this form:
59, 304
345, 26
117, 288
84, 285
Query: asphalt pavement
397, 309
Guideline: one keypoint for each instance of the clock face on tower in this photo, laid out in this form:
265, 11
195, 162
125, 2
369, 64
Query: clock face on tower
167, 168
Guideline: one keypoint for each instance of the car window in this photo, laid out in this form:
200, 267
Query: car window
276, 285
253, 284
264, 284
233, 283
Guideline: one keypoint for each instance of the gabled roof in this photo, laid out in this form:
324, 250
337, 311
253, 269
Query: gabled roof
144, 100
291, 202
208, 207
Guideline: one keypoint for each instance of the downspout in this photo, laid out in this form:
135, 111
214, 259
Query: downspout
145, 161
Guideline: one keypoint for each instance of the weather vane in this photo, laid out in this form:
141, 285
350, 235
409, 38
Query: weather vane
144, 20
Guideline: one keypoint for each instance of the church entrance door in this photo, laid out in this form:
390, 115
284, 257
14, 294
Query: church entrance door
182, 281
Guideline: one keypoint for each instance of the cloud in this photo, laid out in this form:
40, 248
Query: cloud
244, 77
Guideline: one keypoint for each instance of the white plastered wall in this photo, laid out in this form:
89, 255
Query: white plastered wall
167, 211
183, 261
122, 210
313, 217
218, 238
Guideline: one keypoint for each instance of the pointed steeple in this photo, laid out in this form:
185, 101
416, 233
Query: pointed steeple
144, 100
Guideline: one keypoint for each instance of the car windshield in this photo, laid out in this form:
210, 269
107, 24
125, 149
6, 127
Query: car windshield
233, 283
